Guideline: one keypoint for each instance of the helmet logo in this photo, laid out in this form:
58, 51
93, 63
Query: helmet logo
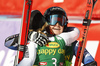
56, 8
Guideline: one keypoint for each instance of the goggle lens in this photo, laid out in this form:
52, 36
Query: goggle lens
53, 19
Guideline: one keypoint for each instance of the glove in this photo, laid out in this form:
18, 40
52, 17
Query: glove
94, 63
38, 38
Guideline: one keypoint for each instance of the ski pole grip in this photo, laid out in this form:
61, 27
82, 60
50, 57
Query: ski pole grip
86, 22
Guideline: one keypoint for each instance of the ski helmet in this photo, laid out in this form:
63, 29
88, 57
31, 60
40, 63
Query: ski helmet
56, 12
61, 17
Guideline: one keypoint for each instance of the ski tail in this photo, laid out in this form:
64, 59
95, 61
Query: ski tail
86, 24
24, 29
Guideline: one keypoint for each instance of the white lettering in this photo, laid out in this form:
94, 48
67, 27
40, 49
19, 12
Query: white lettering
58, 1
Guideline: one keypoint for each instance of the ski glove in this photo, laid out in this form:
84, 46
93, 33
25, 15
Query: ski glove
38, 38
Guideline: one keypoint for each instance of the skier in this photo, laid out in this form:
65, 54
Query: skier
55, 47
72, 48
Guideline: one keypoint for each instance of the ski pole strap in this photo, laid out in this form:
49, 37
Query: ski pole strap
86, 22
22, 47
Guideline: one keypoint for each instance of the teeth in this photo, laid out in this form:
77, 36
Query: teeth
56, 29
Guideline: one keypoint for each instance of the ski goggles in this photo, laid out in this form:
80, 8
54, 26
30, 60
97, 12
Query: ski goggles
53, 19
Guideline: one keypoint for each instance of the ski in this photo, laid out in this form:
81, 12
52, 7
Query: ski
86, 24
24, 30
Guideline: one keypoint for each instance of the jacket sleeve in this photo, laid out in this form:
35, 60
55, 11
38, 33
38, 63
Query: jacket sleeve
30, 55
11, 42
70, 35
87, 57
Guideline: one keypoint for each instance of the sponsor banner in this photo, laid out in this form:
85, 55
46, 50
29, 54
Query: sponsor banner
72, 7
53, 45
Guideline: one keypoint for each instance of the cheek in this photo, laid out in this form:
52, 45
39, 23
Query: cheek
57, 31
51, 27
61, 29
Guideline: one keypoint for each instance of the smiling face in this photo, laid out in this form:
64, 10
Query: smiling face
57, 29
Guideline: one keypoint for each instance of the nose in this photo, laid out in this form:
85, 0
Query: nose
57, 24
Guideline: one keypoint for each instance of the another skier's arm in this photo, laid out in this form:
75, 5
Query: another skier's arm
12, 42
87, 60
30, 52
70, 35
30, 55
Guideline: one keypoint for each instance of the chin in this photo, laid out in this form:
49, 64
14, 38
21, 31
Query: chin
56, 33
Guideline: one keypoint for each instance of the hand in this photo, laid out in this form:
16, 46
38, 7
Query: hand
38, 38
